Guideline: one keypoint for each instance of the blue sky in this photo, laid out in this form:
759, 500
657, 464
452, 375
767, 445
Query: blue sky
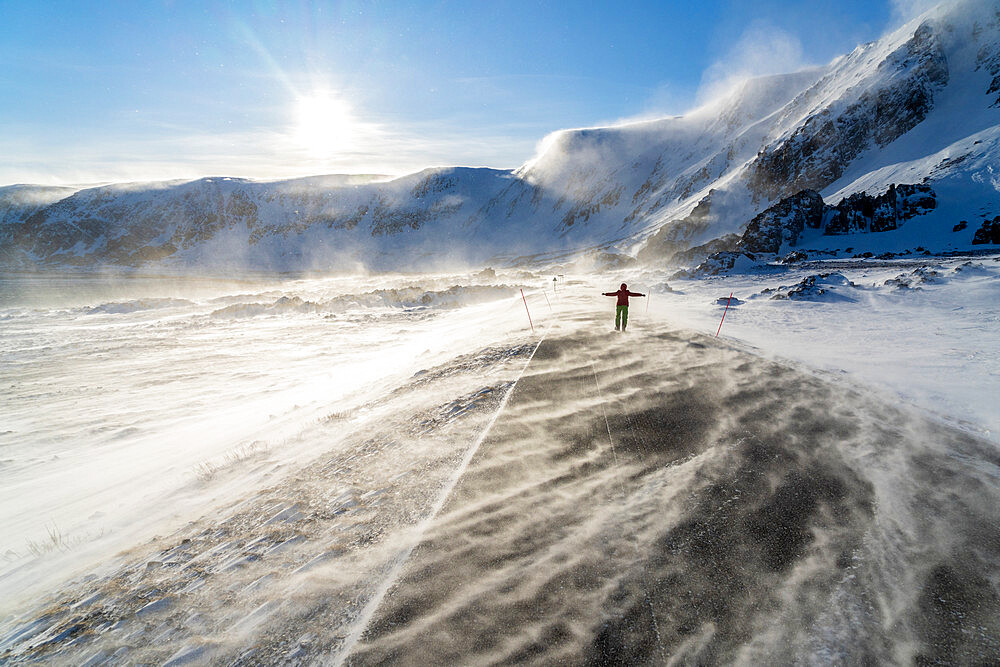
98, 91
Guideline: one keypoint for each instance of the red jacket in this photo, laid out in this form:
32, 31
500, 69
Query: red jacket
623, 295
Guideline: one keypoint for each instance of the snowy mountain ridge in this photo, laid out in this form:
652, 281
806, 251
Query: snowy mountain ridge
920, 106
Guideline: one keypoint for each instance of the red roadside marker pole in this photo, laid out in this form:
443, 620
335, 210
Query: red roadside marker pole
529, 312
723, 314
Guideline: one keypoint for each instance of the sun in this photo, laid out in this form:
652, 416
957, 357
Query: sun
324, 124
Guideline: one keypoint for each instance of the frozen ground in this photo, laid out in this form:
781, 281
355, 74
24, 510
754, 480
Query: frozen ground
245, 473
921, 330
122, 400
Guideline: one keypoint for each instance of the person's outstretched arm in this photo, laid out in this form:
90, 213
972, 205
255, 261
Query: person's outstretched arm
635, 294
610, 293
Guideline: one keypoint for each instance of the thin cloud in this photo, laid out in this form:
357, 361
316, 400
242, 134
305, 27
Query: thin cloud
261, 154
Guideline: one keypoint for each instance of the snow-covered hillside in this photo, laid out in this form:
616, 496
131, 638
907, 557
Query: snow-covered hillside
919, 107
306, 223
20, 202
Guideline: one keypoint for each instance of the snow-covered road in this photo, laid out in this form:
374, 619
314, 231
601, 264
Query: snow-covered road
661, 493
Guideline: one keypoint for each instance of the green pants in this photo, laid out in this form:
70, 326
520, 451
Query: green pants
621, 317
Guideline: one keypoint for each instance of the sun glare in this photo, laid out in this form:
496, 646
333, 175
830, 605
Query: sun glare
324, 124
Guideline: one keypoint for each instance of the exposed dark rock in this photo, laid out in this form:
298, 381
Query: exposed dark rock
582, 210
817, 154
782, 223
131, 225
862, 212
988, 58
989, 232
960, 226
434, 183
794, 257
818, 287
720, 262
914, 279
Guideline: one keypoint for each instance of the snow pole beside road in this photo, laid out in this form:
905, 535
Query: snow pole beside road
723, 315
527, 311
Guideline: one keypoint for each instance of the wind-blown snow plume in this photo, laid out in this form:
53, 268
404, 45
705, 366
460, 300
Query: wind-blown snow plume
762, 50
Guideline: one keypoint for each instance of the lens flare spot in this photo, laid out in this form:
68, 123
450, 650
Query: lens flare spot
324, 124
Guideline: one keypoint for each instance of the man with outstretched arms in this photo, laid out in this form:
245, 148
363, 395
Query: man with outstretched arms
621, 310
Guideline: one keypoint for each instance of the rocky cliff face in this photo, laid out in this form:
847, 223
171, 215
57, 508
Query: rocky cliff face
920, 106
778, 229
782, 224
912, 106
818, 152
989, 232
988, 55
864, 213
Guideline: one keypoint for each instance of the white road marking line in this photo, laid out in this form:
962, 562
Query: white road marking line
621, 487
376, 600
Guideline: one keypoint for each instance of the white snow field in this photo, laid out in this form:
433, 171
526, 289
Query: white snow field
920, 329
394, 468
118, 399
